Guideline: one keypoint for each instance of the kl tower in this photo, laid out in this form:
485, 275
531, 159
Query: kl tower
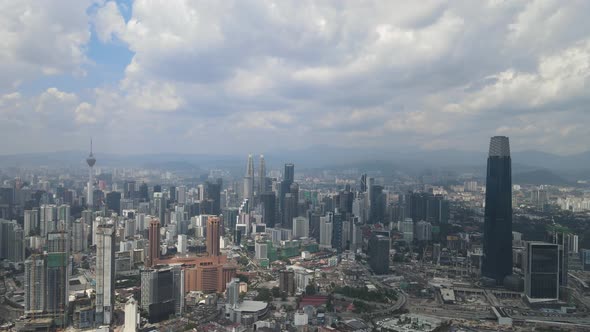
91, 161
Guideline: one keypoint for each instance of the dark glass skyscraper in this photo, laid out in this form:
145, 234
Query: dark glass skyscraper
497, 241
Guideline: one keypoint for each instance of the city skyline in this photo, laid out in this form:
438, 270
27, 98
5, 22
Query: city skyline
390, 75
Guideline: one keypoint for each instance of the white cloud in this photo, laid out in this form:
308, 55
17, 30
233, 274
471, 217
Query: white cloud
108, 22
41, 38
435, 74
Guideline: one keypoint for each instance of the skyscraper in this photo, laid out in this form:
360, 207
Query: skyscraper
541, 268
154, 239
249, 179
35, 284
288, 179
213, 236
90, 161
497, 242
269, 211
379, 253
105, 274
262, 176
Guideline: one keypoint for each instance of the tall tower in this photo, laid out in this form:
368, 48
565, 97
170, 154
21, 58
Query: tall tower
262, 176
154, 239
497, 241
213, 236
90, 161
105, 274
249, 179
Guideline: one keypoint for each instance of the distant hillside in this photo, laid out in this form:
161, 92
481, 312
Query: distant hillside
539, 177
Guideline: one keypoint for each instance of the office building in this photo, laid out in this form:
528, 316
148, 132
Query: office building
113, 200
261, 250
162, 292
131, 316
326, 229
213, 195
423, 231
213, 237
249, 180
541, 271
35, 284
337, 228
159, 207
105, 274
262, 176
11, 241
288, 179
154, 242
379, 254
287, 281
300, 227
181, 247
269, 212
31, 222
497, 242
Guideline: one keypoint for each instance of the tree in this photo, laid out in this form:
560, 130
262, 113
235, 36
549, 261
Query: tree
310, 289
243, 261
276, 292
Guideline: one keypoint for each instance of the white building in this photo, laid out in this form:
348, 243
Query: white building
325, 232
261, 250
131, 316
301, 319
182, 244
300, 227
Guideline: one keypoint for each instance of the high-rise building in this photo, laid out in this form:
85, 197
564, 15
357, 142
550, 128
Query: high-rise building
162, 292
261, 250
105, 274
326, 227
261, 176
289, 211
182, 244
11, 241
541, 268
423, 231
288, 179
269, 211
31, 222
300, 227
213, 236
131, 316
563, 239
337, 230
35, 284
159, 207
379, 254
249, 179
113, 200
497, 241
213, 194
154, 239
287, 281
91, 161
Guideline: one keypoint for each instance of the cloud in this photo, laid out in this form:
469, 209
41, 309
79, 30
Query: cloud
108, 22
39, 38
428, 74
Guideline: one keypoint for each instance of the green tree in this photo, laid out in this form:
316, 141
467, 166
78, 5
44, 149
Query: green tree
276, 292
310, 289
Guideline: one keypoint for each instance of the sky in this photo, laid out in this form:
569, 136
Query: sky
244, 76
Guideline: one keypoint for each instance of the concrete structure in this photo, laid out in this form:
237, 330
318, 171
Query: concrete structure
213, 236
182, 244
154, 243
326, 228
261, 250
497, 240
300, 227
541, 268
105, 274
35, 284
249, 180
131, 316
